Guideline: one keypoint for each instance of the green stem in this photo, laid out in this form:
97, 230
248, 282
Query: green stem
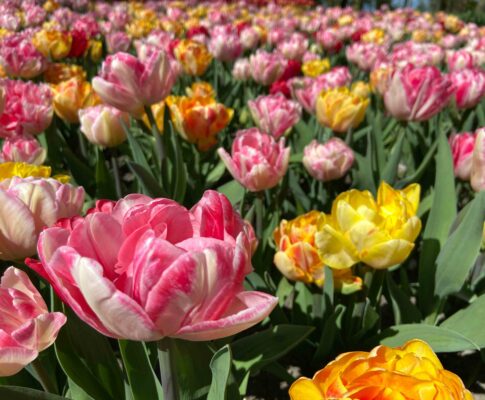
156, 133
48, 384
259, 214
169, 380
374, 282
116, 174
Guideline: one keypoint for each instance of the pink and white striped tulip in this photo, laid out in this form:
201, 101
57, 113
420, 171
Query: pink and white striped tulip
225, 47
417, 93
249, 37
266, 68
294, 47
26, 325
460, 59
28, 206
477, 178
143, 269
22, 149
257, 161
328, 161
129, 83
19, 57
274, 114
462, 145
28, 108
469, 85
117, 42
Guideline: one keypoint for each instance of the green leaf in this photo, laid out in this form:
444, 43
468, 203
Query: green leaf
146, 180
441, 339
136, 150
180, 172
440, 220
105, 188
390, 170
461, 249
363, 176
220, 366
215, 174
87, 358
23, 393
144, 384
233, 190
404, 311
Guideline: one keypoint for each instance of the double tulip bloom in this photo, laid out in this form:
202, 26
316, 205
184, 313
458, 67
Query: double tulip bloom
412, 371
266, 68
377, 233
257, 161
22, 150
194, 57
166, 270
103, 125
53, 44
469, 86
19, 58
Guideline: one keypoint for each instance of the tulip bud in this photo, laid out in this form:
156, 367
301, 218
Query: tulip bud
477, 178
103, 125
462, 149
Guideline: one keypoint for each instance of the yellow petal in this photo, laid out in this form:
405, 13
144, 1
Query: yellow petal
412, 193
305, 389
387, 254
335, 249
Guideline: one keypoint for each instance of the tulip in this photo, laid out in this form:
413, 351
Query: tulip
330, 40
460, 59
294, 47
71, 96
462, 149
117, 42
249, 37
28, 206
340, 109
194, 57
361, 89
378, 233
315, 68
129, 84
469, 85
477, 178
53, 44
365, 55
241, 71
274, 114
327, 161
27, 110
27, 327
79, 43
297, 257
200, 89
103, 125
225, 47
265, 67
19, 58
22, 149
58, 72
165, 270
417, 94
412, 371
257, 161
199, 119
10, 169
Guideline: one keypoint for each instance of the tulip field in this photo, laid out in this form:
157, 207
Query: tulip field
243, 199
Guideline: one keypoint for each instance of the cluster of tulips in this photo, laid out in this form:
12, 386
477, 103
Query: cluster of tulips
212, 185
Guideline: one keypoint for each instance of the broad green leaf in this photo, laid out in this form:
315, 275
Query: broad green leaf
146, 180
404, 310
220, 366
441, 339
144, 384
136, 150
390, 170
24, 393
215, 174
179, 185
233, 190
461, 249
105, 188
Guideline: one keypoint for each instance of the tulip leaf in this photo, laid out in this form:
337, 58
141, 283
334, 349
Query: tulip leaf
220, 366
461, 249
147, 181
105, 188
363, 177
390, 170
24, 393
88, 359
179, 170
441, 339
144, 384
233, 191
440, 220
404, 310
215, 174
136, 150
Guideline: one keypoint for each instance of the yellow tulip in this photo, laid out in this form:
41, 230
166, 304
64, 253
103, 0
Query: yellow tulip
340, 109
378, 233
158, 111
411, 372
198, 120
53, 44
200, 89
315, 68
95, 50
298, 259
361, 88
193, 56
23, 170
376, 35
58, 72
71, 96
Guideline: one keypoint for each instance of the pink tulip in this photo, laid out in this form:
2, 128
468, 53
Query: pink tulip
274, 114
19, 57
117, 42
469, 87
225, 47
462, 149
330, 40
417, 93
128, 83
328, 161
418, 54
249, 37
29, 205
365, 55
257, 161
103, 125
460, 59
294, 47
266, 68
22, 149
477, 178
26, 325
28, 108
143, 269
241, 71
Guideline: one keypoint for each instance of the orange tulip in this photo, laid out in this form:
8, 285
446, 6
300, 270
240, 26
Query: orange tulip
193, 56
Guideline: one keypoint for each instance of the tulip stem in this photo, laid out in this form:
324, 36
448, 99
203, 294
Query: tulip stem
156, 133
167, 372
48, 384
259, 214
116, 174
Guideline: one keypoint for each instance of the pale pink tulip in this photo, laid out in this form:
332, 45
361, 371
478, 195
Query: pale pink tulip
462, 149
249, 37
103, 125
330, 40
460, 59
477, 178
265, 67
19, 57
365, 55
28, 206
129, 84
26, 325
417, 93
241, 71
328, 161
257, 161
294, 47
28, 108
225, 47
143, 269
469, 87
22, 149
117, 42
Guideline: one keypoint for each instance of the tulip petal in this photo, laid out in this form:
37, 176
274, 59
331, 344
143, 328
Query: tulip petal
335, 249
386, 254
304, 388
247, 309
